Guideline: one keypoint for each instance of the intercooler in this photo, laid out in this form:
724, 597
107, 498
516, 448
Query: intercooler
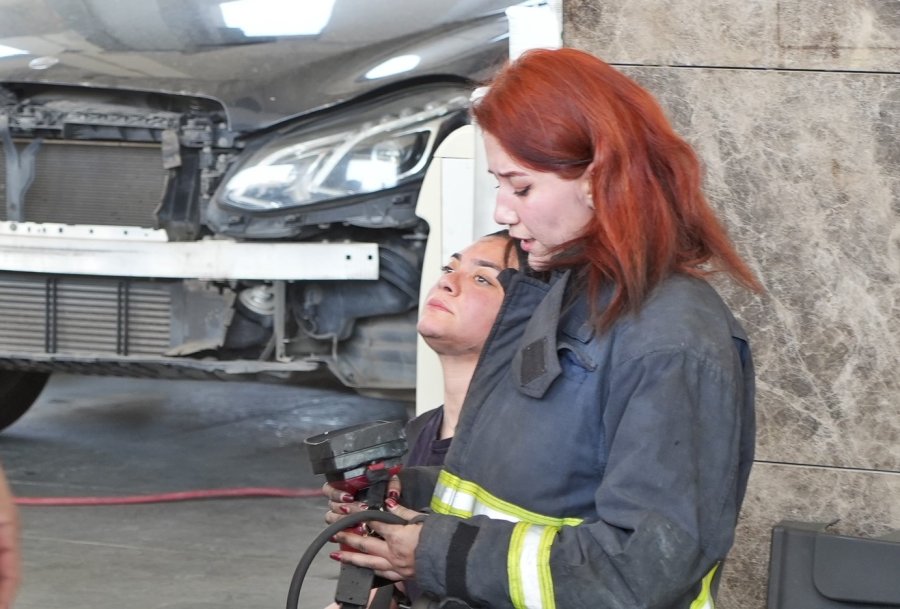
107, 184
83, 316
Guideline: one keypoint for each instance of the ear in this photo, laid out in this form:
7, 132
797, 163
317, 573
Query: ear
587, 185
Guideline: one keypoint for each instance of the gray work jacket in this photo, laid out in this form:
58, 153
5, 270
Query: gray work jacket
595, 470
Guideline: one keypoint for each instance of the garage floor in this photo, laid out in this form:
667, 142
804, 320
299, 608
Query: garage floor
101, 436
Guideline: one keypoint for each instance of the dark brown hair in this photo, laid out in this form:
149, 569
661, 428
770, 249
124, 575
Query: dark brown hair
513, 256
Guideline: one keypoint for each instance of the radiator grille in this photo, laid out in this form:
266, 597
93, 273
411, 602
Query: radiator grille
79, 316
105, 184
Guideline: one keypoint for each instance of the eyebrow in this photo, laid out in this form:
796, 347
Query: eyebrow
508, 174
479, 262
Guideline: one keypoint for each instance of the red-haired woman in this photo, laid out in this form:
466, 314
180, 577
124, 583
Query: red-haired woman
607, 436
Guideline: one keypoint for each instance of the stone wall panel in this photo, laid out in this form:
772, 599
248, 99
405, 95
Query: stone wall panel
796, 34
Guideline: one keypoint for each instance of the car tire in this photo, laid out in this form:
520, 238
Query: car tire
18, 391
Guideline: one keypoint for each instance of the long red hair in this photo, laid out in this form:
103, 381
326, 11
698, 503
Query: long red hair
565, 111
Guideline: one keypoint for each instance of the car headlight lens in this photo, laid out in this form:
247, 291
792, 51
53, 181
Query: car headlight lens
374, 148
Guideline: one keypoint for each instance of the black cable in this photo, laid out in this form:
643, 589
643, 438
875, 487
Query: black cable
319, 542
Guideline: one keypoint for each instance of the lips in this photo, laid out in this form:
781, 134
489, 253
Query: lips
527, 244
437, 304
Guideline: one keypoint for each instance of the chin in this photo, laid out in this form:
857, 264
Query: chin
430, 331
428, 326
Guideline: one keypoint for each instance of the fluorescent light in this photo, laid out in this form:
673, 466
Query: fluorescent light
277, 17
394, 65
6, 51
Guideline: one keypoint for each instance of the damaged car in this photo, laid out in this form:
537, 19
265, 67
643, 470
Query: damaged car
196, 189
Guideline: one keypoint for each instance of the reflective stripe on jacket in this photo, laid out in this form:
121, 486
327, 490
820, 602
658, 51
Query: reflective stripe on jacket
530, 580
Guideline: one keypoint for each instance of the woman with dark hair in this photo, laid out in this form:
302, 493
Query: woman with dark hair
454, 322
607, 436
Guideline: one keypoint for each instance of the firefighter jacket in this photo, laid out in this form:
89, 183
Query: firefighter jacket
595, 470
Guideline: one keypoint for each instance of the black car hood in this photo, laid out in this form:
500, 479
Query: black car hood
184, 47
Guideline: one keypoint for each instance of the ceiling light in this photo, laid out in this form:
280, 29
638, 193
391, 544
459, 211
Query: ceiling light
262, 18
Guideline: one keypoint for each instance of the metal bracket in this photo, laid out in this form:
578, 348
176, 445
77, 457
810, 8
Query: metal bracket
278, 321
19, 171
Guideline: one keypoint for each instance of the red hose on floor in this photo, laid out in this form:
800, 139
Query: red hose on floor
224, 493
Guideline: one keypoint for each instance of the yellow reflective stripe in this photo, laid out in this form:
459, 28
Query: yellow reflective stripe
528, 564
705, 600
548, 600
458, 497
514, 567
528, 567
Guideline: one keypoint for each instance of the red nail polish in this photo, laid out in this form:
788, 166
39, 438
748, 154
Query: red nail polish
390, 502
346, 497
344, 509
335, 556
393, 494
333, 539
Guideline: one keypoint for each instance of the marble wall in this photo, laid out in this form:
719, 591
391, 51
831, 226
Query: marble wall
794, 106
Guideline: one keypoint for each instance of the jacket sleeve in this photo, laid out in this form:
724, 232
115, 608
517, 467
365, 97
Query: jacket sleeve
665, 509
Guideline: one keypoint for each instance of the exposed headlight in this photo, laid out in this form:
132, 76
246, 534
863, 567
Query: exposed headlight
380, 146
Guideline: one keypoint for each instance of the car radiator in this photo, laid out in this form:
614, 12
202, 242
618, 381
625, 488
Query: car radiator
106, 184
83, 316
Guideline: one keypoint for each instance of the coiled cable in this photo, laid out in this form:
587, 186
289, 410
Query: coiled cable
324, 537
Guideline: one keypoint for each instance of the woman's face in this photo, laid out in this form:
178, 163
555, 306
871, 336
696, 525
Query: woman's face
461, 307
540, 208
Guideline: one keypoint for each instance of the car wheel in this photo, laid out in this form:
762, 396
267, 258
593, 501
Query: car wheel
18, 391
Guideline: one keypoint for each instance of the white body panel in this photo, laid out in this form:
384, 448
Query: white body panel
129, 252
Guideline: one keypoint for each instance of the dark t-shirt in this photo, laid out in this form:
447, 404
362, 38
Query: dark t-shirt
426, 447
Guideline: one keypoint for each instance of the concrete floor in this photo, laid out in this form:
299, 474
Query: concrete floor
90, 436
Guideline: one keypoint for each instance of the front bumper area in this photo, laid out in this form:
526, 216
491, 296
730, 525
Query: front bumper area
133, 252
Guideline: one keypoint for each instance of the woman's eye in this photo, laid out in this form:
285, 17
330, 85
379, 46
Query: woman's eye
446, 269
522, 192
483, 279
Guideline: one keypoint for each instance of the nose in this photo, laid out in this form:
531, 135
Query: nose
449, 283
503, 210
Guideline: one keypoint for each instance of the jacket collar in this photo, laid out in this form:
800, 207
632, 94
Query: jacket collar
535, 364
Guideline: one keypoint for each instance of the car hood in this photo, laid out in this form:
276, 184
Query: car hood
247, 54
